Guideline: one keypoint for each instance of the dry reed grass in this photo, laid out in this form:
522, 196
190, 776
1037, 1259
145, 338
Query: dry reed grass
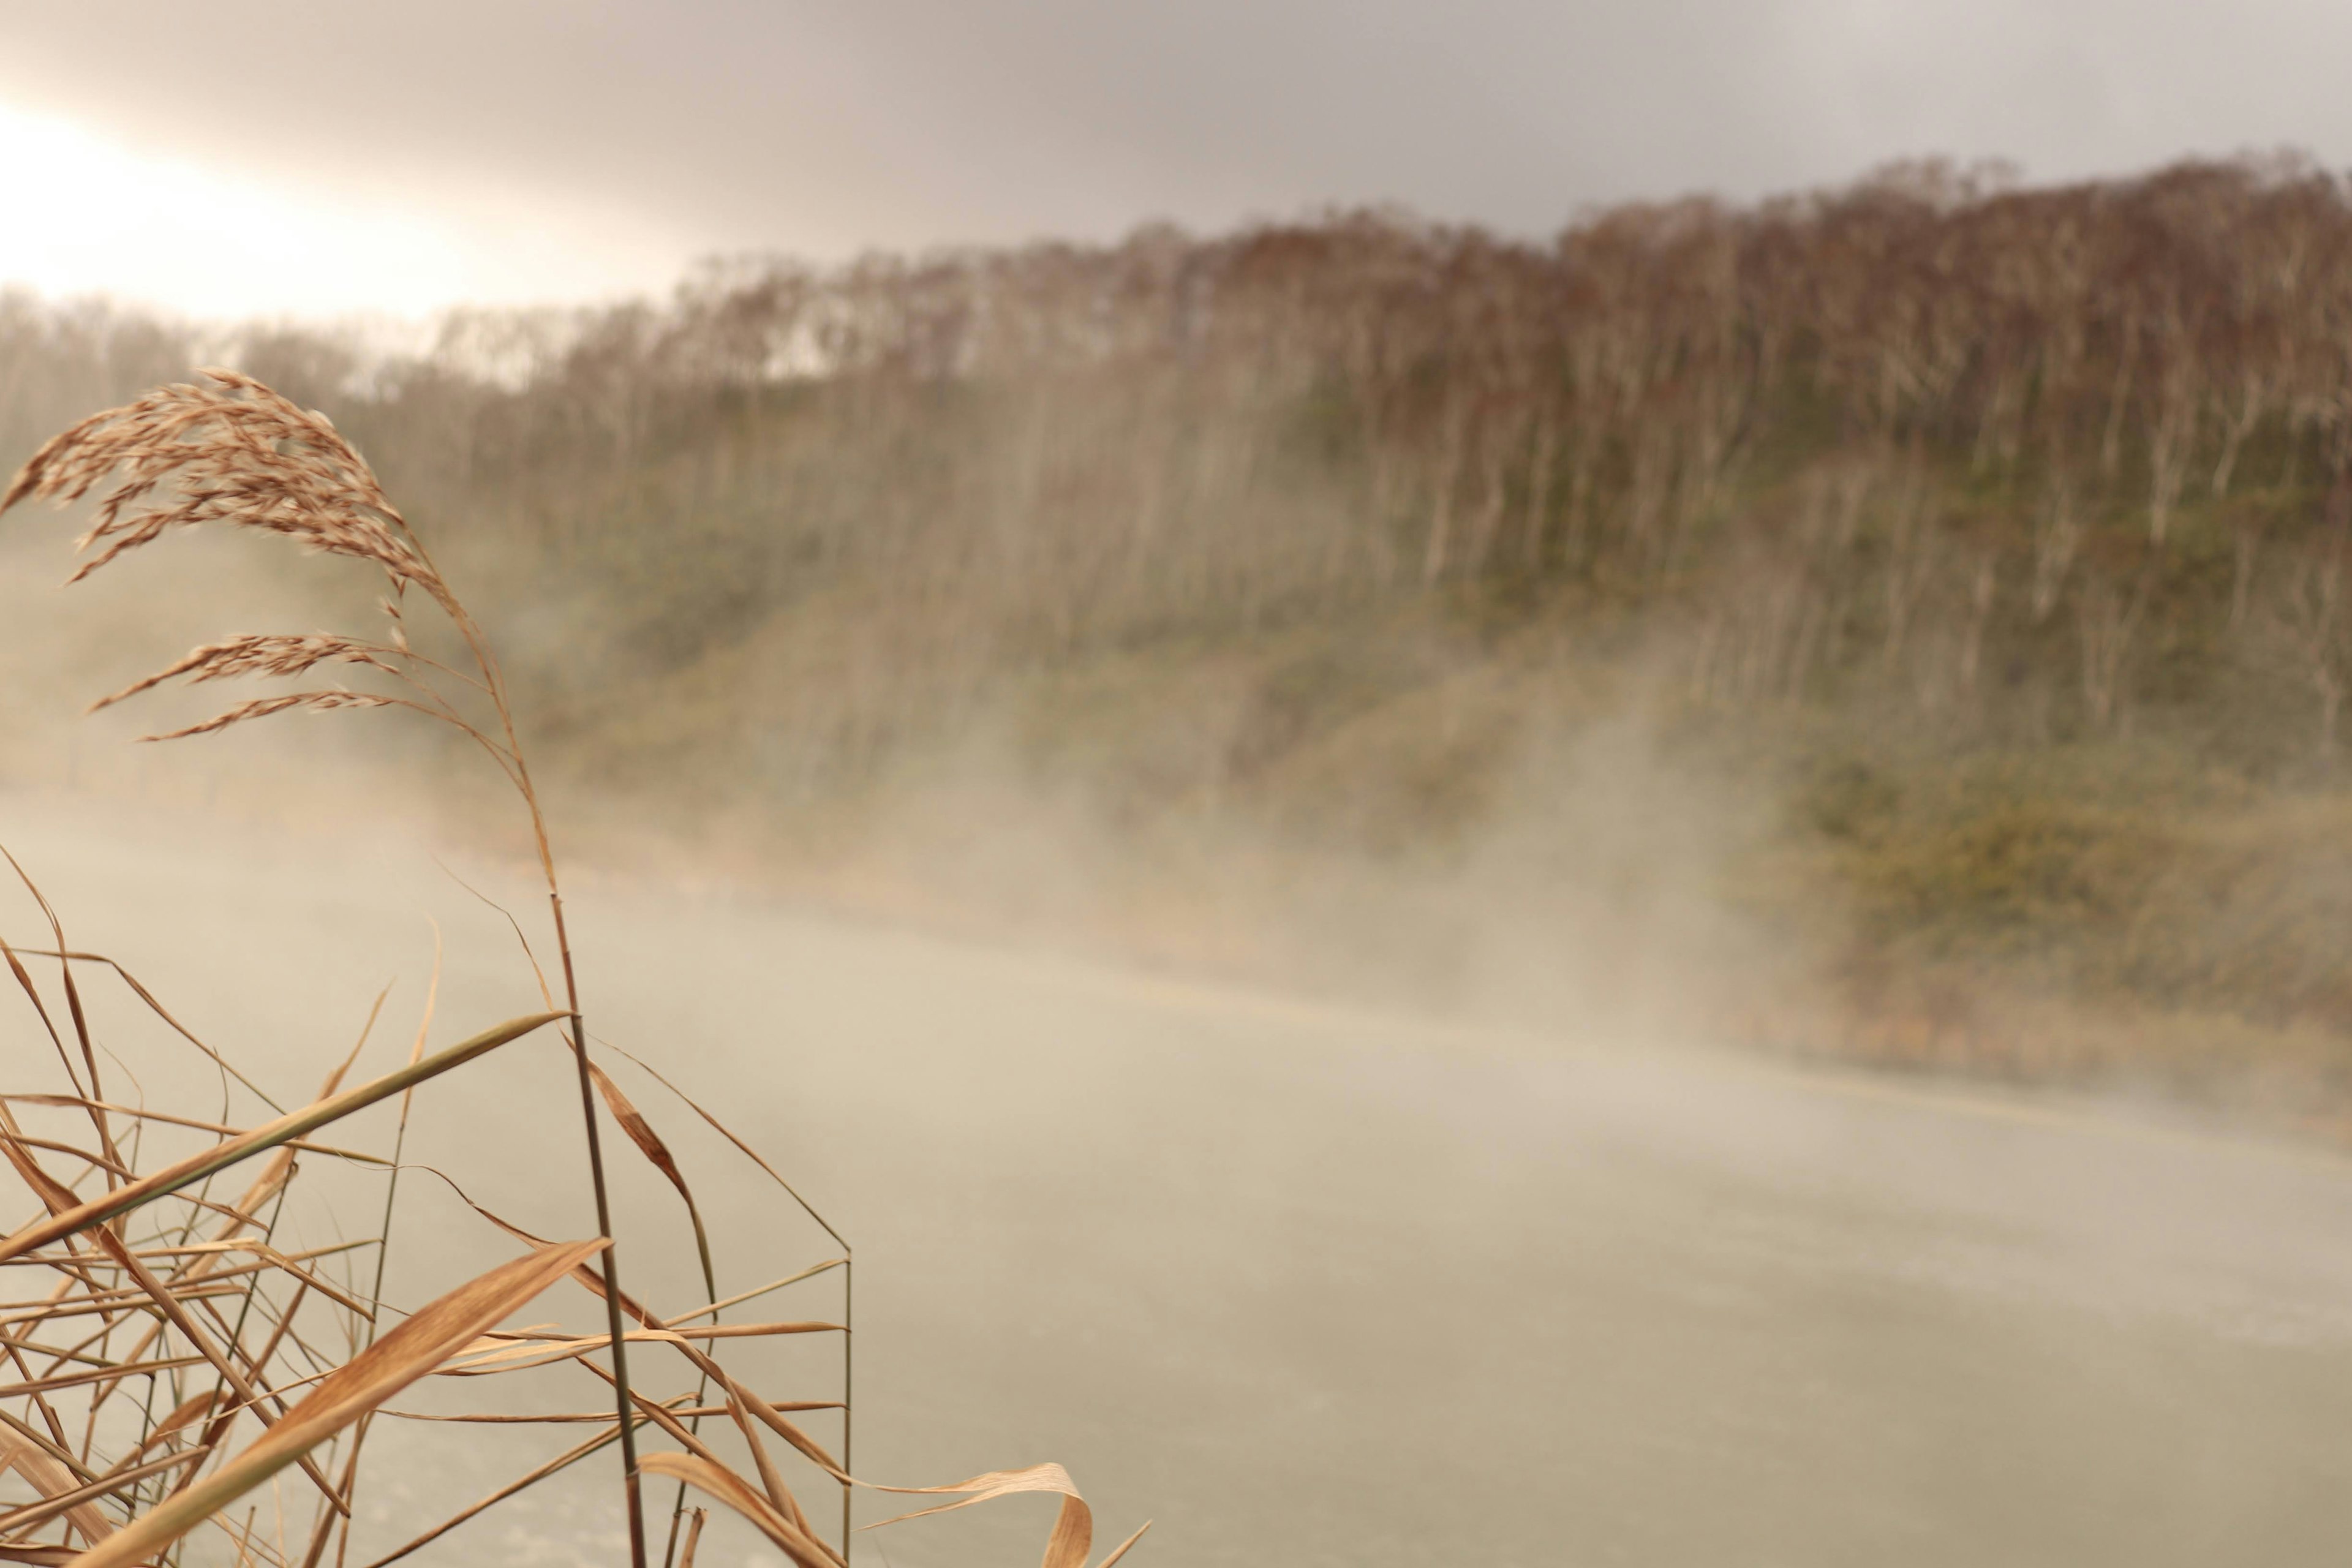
165, 1316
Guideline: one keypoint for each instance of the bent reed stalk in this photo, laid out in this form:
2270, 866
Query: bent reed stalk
155, 1252
236, 452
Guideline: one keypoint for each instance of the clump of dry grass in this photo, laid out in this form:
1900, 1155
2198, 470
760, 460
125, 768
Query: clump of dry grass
169, 1317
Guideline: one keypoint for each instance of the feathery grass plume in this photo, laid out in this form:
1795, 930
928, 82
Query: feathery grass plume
277, 656
231, 451
175, 1317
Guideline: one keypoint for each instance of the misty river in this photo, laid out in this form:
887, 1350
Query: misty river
1309, 1287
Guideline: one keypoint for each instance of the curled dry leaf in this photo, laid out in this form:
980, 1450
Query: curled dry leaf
739, 1495
656, 1152
1068, 1547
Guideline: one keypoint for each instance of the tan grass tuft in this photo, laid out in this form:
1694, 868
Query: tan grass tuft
172, 1324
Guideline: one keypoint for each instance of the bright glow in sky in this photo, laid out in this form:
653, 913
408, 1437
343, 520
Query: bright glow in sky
90, 216
303, 160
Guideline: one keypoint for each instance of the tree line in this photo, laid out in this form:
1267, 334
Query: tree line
2024, 462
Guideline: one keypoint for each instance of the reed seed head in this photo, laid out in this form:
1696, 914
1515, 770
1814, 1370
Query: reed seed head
227, 449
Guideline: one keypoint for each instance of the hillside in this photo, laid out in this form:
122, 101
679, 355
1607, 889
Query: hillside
1907, 620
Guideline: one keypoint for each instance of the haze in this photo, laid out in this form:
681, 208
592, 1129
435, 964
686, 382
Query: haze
256, 158
1629, 881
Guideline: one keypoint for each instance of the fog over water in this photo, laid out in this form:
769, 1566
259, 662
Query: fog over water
1306, 1285
1600, 557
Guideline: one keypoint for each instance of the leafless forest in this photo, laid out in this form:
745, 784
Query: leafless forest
1971, 558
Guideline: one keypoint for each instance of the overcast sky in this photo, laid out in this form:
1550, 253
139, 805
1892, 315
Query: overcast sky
241, 156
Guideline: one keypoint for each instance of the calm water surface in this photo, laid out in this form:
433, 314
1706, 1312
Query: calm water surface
1313, 1288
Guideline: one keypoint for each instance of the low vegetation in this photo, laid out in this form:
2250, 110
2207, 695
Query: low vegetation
175, 1356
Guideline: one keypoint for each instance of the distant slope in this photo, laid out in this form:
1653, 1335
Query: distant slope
1973, 558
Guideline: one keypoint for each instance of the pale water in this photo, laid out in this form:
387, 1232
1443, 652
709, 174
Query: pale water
1309, 1288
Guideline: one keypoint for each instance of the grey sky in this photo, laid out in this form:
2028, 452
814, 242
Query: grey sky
622, 139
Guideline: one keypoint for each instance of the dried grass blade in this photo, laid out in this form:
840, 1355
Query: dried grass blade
747, 1151
67, 1502
595, 1282
170, 1426
568, 1457
779, 1494
497, 1355
268, 1136
99, 1374
51, 1482
732, 1489
161, 1295
1120, 1550
581, 1417
768, 1414
813, 1270
331, 1523
73, 1006
196, 1123
24, 981
391, 1364
148, 999
1074, 1525
657, 1154
982, 1488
